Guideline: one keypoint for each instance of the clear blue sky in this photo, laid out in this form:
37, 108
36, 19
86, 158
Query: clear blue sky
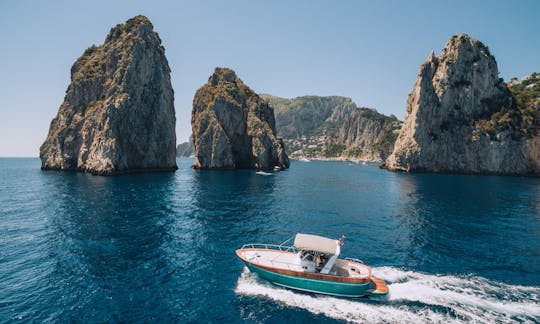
367, 50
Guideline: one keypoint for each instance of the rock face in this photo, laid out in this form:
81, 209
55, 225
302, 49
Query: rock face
461, 118
118, 113
233, 128
333, 127
302, 116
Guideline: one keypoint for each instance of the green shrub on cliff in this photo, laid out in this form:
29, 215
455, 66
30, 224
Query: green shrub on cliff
527, 92
334, 150
521, 120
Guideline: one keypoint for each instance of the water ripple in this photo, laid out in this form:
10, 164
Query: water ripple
160, 247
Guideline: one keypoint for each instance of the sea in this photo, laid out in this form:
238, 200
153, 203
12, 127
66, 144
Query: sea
160, 247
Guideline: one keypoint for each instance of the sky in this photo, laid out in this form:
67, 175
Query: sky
369, 51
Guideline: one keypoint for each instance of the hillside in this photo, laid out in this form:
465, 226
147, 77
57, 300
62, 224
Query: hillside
333, 127
186, 149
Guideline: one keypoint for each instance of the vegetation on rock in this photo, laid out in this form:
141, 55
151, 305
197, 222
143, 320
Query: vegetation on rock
521, 118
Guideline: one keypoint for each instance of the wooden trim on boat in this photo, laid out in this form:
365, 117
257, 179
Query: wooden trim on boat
379, 286
300, 273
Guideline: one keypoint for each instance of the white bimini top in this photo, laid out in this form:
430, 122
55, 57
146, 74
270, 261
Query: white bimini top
316, 243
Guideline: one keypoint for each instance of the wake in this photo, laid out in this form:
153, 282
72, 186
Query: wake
263, 173
414, 297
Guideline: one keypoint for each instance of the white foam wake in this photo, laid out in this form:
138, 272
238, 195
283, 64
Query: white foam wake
414, 297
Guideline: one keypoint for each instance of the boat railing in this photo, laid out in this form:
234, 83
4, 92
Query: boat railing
270, 247
274, 262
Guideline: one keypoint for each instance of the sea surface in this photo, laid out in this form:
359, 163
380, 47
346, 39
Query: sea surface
161, 247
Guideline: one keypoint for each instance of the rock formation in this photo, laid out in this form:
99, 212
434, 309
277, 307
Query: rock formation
333, 127
186, 149
118, 113
233, 128
462, 118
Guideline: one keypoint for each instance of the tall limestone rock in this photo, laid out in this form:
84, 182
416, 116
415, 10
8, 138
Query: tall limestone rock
118, 113
462, 118
233, 128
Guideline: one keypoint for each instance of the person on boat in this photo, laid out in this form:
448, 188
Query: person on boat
319, 262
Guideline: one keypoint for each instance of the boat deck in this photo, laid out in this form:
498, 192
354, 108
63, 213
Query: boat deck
273, 258
288, 260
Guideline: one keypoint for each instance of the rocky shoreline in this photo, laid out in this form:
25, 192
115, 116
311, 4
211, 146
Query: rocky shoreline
337, 159
118, 117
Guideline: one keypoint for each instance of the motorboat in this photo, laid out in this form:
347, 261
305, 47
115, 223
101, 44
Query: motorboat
312, 264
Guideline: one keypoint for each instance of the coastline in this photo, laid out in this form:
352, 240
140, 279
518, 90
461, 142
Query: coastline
337, 159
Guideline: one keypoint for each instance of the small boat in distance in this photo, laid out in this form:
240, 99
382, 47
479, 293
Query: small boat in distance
263, 173
312, 265
304, 160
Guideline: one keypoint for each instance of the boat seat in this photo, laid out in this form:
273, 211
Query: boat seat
342, 272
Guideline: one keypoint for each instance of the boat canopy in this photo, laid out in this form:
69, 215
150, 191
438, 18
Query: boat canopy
316, 243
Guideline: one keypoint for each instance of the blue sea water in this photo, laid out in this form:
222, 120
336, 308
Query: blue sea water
160, 247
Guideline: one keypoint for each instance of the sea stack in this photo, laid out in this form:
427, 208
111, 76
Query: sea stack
233, 128
118, 113
462, 118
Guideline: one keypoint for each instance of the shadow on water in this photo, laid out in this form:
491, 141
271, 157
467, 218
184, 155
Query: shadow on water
108, 238
479, 224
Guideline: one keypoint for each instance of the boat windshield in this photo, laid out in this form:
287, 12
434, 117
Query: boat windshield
307, 255
314, 260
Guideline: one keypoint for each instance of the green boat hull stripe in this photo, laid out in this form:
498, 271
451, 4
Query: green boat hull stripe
312, 285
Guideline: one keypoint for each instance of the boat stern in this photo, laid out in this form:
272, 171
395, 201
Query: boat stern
377, 288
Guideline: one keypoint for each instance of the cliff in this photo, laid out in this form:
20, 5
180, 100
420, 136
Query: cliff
118, 113
186, 149
462, 118
333, 127
233, 128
